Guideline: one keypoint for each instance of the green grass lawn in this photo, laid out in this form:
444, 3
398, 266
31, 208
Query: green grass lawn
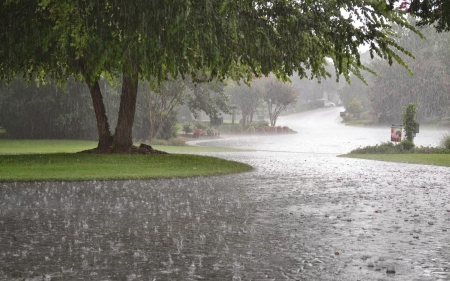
44, 160
10, 146
425, 159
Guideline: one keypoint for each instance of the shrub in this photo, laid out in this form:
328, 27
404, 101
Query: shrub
445, 141
390, 148
431, 150
261, 123
200, 125
383, 148
445, 121
260, 130
212, 132
198, 132
355, 107
237, 128
251, 129
346, 119
407, 144
187, 128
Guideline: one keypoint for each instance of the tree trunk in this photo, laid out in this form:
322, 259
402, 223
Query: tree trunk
104, 134
271, 115
123, 141
244, 120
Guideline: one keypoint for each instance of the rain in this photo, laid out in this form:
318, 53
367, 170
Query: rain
303, 213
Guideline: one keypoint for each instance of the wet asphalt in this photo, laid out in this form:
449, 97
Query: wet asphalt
302, 214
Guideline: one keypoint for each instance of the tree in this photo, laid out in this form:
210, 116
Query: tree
46, 111
134, 40
356, 90
428, 12
429, 87
278, 95
209, 97
160, 104
355, 107
247, 99
409, 121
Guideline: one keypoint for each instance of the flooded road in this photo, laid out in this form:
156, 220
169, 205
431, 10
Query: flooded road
301, 214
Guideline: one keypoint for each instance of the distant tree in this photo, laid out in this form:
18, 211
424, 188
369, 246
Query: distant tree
355, 107
428, 12
161, 104
357, 89
134, 40
409, 121
278, 97
429, 87
46, 111
209, 97
169, 127
247, 99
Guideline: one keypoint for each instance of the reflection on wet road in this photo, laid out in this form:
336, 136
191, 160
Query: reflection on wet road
302, 214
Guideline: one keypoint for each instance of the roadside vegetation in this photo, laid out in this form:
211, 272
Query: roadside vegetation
406, 152
380, 102
424, 159
198, 129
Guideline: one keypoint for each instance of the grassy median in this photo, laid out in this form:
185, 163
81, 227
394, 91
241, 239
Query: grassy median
51, 160
404, 152
424, 159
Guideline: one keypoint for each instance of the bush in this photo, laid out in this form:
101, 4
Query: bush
445, 141
431, 150
383, 148
187, 128
169, 128
407, 144
237, 128
212, 132
260, 130
261, 123
355, 107
201, 125
390, 148
199, 132
445, 121
251, 129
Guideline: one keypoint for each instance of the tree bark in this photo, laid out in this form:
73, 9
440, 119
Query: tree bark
104, 134
123, 141
152, 115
